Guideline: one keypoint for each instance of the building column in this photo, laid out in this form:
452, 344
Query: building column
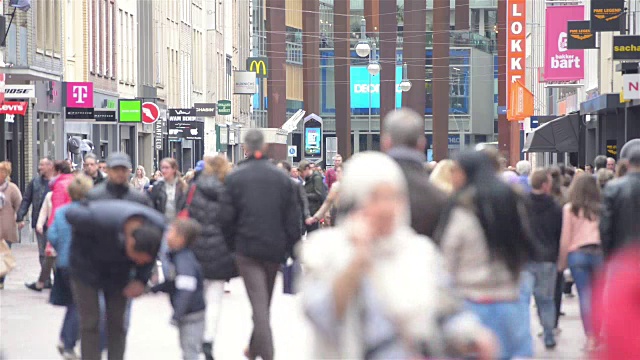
277, 82
441, 15
311, 55
462, 15
342, 63
414, 53
388, 39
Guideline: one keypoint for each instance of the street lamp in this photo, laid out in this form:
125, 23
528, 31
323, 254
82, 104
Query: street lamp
363, 49
405, 85
374, 65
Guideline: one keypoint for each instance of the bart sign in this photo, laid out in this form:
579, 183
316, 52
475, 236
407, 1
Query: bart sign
259, 66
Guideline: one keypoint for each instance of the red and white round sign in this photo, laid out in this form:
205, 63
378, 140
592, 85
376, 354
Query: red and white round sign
150, 113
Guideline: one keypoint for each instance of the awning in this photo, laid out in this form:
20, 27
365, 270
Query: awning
559, 135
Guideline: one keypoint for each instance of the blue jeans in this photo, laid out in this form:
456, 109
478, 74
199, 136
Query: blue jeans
70, 328
583, 267
541, 278
504, 319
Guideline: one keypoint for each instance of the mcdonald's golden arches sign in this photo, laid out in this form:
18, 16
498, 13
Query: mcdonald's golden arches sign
259, 65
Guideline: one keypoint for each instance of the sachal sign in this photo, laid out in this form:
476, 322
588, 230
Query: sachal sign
560, 63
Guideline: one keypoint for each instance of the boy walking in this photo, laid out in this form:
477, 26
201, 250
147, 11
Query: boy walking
184, 285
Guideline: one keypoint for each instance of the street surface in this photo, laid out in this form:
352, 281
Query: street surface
29, 326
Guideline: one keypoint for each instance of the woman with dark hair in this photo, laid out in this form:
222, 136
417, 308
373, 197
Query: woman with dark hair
211, 208
169, 195
580, 248
486, 243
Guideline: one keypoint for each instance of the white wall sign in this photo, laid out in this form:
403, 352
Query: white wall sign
244, 82
631, 86
19, 91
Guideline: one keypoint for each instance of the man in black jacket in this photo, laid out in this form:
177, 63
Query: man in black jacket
619, 225
90, 168
117, 184
403, 140
301, 194
545, 216
34, 196
314, 187
113, 249
267, 226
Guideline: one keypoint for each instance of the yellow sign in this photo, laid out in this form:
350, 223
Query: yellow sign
258, 65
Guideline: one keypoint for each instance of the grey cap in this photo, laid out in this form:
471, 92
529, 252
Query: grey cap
119, 159
631, 151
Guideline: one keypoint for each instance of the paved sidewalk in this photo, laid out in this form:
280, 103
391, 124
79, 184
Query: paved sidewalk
29, 326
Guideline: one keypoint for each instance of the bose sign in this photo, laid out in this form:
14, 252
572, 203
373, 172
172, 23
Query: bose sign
362, 89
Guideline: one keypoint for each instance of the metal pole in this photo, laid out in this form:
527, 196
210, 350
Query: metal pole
370, 106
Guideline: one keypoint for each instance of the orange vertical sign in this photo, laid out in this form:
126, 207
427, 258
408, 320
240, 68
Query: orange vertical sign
520, 104
516, 44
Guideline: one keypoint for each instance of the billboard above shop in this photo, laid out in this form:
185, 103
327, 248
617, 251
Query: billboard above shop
560, 62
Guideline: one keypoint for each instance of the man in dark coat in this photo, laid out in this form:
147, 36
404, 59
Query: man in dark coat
545, 215
114, 246
266, 226
90, 168
619, 225
314, 187
117, 184
34, 196
403, 139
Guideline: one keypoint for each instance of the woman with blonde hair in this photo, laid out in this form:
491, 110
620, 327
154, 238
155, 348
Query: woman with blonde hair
140, 180
442, 176
218, 166
10, 199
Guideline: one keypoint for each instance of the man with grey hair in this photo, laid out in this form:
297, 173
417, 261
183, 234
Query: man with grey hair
91, 169
619, 224
266, 226
404, 141
523, 168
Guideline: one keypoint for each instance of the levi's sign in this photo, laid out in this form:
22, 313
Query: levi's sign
14, 108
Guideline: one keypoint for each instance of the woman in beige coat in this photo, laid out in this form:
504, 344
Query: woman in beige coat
10, 199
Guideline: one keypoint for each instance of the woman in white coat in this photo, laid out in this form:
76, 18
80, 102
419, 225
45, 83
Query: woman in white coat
375, 289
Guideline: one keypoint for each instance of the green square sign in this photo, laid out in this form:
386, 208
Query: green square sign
130, 111
224, 107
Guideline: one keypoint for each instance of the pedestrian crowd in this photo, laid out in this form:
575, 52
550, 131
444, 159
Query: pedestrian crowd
392, 258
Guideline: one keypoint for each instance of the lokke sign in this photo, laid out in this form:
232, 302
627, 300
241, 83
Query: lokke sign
560, 63
516, 43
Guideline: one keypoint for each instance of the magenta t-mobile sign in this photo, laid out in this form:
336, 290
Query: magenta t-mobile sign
79, 94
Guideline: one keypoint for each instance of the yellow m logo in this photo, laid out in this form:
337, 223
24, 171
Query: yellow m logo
256, 65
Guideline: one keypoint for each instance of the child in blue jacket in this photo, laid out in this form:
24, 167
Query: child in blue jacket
184, 284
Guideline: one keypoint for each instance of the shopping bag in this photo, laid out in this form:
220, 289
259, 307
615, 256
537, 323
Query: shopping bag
290, 272
7, 261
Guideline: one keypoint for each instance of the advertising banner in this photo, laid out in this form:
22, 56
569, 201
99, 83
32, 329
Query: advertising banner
606, 15
259, 66
159, 129
631, 86
79, 94
205, 109
224, 107
105, 115
521, 102
78, 113
150, 113
560, 63
626, 47
312, 137
244, 83
516, 42
130, 111
580, 35
14, 108
183, 124
363, 84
